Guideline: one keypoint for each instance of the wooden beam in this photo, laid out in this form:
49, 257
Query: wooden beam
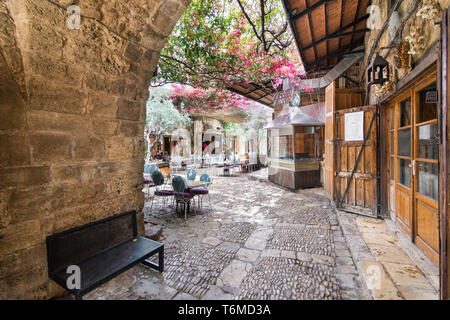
345, 34
339, 31
356, 16
311, 32
287, 11
242, 94
339, 52
340, 21
267, 94
309, 9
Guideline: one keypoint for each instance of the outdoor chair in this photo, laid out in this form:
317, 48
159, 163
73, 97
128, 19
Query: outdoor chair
149, 184
191, 174
148, 170
153, 168
182, 196
201, 192
158, 180
206, 160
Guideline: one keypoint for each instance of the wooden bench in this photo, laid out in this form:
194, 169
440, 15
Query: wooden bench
102, 250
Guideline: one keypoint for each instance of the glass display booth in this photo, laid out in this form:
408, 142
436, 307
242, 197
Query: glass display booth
294, 150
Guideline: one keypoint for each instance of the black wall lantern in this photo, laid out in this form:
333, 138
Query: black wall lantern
378, 71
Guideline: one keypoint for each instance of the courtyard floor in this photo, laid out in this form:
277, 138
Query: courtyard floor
258, 242
261, 241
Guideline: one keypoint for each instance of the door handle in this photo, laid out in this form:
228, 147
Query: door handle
413, 166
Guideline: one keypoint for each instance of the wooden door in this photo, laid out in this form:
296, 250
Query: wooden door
414, 164
426, 169
341, 156
329, 140
403, 163
356, 164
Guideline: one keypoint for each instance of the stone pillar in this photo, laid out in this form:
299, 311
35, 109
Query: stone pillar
72, 113
198, 129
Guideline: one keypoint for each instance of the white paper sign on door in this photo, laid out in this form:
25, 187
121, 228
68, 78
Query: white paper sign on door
354, 126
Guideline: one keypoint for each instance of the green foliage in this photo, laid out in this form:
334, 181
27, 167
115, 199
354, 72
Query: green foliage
217, 43
162, 116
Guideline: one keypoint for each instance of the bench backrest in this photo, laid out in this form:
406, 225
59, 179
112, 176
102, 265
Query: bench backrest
75, 245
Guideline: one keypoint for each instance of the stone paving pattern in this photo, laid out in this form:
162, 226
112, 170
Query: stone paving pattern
380, 248
260, 241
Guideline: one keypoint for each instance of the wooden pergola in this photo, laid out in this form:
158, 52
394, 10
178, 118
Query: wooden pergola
326, 30
262, 93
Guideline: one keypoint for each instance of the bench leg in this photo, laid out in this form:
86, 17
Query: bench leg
77, 296
160, 265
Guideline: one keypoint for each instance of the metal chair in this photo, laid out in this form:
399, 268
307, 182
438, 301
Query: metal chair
201, 192
181, 195
191, 174
158, 180
153, 168
148, 170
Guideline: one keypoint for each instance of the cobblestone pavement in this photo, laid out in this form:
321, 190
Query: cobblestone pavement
259, 241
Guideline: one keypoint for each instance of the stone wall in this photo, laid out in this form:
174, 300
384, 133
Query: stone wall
72, 108
429, 29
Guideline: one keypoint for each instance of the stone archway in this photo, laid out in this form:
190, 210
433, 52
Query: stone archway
72, 112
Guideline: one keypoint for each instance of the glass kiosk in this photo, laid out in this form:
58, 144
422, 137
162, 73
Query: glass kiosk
294, 155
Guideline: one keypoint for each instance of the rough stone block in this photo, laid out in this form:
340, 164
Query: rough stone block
102, 127
36, 203
14, 151
163, 22
40, 120
152, 39
5, 216
130, 129
113, 64
133, 52
71, 174
88, 148
129, 110
11, 264
44, 39
119, 148
19, 236
103, 106
12, 112
51, 147
28, 280
24, 177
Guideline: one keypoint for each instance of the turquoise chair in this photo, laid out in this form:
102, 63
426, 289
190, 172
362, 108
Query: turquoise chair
201, 192
182, 196
153, 168
191, 174
158, 180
